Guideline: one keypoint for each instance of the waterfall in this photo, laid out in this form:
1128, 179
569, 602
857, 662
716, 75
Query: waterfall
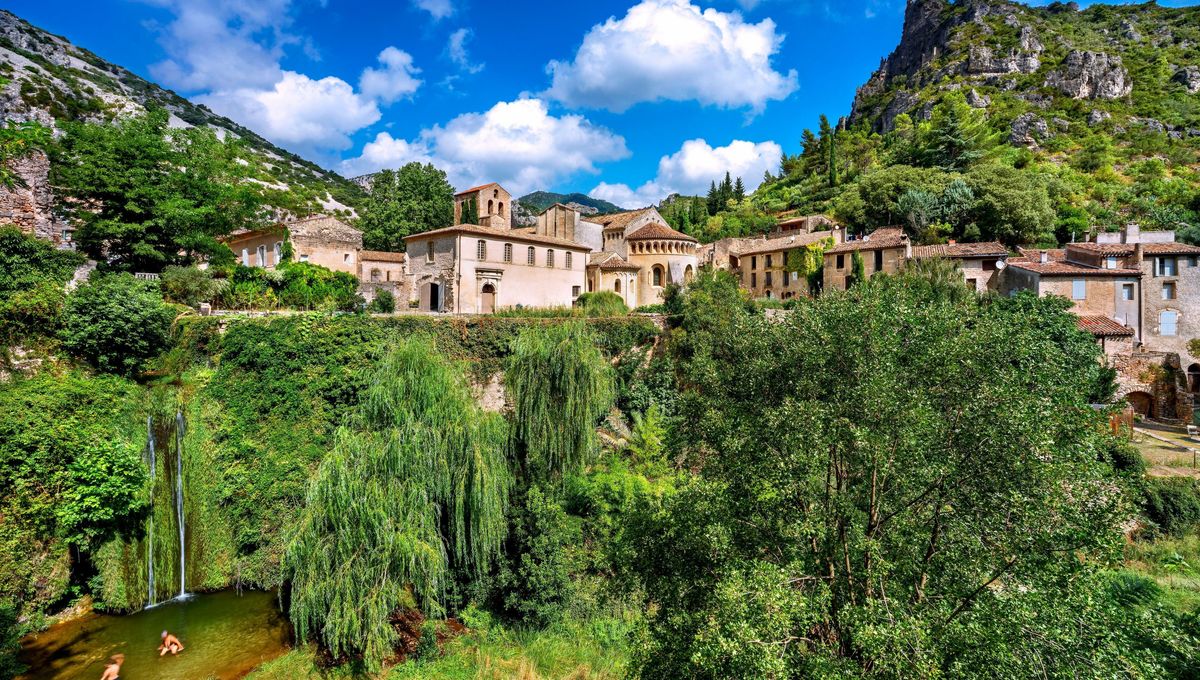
150, 522
180, 425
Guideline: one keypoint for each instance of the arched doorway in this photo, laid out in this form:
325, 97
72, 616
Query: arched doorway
1142, 403
432, 296
488, 299
1193, 373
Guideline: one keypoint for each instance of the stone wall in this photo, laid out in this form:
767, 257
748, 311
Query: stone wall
1158, 375
29, 204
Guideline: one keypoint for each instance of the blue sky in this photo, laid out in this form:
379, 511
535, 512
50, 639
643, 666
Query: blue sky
628, 100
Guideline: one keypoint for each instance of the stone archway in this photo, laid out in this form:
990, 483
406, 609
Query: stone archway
487, 302
1142, 403
1193, 374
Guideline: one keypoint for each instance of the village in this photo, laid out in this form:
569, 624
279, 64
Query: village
1136, 292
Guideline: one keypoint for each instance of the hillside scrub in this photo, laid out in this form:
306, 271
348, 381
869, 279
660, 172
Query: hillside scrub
33, 274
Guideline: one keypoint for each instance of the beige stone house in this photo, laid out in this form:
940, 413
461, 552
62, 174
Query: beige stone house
319, 239
763, 263
883, 250
640, 255
979, 262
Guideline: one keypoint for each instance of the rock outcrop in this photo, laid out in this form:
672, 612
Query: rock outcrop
1028, 129
1091, 75
1189, 77
29, 203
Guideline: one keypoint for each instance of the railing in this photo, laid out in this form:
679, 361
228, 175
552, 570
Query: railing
145, 276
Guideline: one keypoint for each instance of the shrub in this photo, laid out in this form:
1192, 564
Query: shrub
32, 275
187, 285
1173, 505
116, 323
539, 587
10, 641
384, 302
604, 303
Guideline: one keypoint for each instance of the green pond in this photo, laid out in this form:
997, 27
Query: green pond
224, 634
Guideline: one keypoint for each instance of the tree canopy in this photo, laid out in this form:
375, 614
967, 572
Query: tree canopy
413, 199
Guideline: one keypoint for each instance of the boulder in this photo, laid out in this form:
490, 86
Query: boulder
978, 101
1097, 117
1091, 75
1027, 130
1189, 77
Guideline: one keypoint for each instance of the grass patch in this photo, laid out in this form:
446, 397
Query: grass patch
1174, 564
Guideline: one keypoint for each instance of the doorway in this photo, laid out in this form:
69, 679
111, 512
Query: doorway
488, 299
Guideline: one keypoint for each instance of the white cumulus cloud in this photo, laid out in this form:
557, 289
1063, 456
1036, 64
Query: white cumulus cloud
518, 143
673, 50
397, 78
691, 170
438, 9
457, 49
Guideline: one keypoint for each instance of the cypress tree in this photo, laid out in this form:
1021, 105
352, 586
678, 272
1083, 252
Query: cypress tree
714, 198
739, 190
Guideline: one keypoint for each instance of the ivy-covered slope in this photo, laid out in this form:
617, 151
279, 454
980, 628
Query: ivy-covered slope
45, 78
1044, 71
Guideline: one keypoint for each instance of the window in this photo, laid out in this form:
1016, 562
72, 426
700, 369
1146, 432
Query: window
1110, 262
767, 279
753, 280
1166, 266
262, 256
66, 236
1166, 323
304, 258
529, 256
878, 260
574, 291
617, 285
1079, 289
657, 275
245, 257
500, 208
346, 257
1168, 291
429, 251
549, 258
1126, 291
508, 252
754, 262
481, 250
841, 261
768, 262
989, 265
1192, 261
568, 259
278, 251
491, 207
973, 284
375, 275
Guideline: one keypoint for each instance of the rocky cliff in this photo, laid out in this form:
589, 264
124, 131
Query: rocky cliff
1042, 69
45, 78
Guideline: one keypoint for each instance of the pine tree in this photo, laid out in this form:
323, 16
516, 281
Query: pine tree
725, 192
714, 199
833, 178
739, 190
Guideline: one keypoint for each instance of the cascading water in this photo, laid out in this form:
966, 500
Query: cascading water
150, 522
180, 426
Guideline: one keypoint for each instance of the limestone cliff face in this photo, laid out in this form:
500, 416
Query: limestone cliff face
29, 204
1033, 59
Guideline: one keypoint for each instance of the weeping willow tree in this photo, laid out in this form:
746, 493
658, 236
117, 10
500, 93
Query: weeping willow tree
416, 486
560, 385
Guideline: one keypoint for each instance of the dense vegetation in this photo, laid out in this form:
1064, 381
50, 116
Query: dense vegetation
410, 200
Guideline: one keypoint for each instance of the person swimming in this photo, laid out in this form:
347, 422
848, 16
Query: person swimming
170, 643
113, 670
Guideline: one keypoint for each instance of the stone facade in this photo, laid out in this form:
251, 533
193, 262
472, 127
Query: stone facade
29, 204
978, 262
883, 250
493, 205
319, 239
762, 264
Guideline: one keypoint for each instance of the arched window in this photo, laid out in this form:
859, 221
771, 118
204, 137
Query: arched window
508, 252
617, 285
529, 258
568, 261
549, 258
687, 274
500, 208
491, 206
657, 275
481, 250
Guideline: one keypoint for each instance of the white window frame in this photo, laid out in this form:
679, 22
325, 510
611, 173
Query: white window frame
1161, 265
481, 250
530, 257
245, 257
261, 254
1079, 289
1127, 288
1110, 262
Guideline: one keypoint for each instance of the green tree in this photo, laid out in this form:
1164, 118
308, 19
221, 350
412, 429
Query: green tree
411, 200
739, 190
116, 322
470, 212
1013, 206
187, 285
846, 520
714, 199
958, 135
32, 275
146, 196
858, 269
17, 141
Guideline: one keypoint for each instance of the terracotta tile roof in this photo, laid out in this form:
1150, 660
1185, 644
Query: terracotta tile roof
1103, 327
474, 189
619, 220
1061, 268
609, 260
1170, 249
1113, 249
380, 256
961, 250
658, 231
885, 237
320, 226
1035, 254
755, 246
499, 234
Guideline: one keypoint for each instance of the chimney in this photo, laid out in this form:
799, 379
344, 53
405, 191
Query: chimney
1133, 233
1137, 254
951, 242
1045, 257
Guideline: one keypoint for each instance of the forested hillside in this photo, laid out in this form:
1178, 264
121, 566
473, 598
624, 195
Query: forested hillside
994, 120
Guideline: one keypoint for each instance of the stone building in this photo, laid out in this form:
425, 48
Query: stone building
380, 270
979, 262
764, 269
641, 242
563, 221
1112, 290
883, 250
492, 204
474, 269
319, 239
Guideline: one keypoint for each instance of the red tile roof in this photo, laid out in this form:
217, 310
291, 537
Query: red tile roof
618, 220
1170, 249
756, 246
654, 230
1035, 254
380, 256
1112, 249
609, 260
474, 189
1061, 268
886, 237
1103, 327
492, 232
961, 250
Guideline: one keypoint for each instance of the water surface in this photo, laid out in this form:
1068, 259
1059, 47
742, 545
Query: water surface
225, 635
